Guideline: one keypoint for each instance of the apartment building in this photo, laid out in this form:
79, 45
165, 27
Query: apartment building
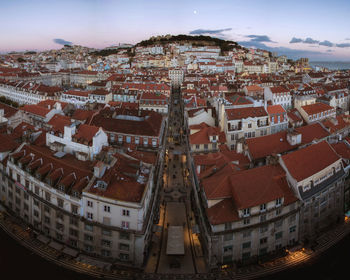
244, 123
103, 209
242, 226
316, 175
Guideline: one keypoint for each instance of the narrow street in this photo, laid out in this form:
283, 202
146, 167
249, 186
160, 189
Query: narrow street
175, 202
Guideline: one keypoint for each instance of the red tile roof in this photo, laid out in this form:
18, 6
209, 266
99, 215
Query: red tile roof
256, 186
311, 132
85, 133
261, 147
58, 122
342, 150
306, 162
35, 110
148, 123
316, 108
254, 88
245, 189
222, 212
54, 167
7, 143
244, 113
202, 136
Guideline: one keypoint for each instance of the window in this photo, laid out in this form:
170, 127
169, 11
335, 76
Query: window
249, 125
228, 249
73, 221
246, 245
292, 229
107, 208
106, 232
154, 142
246, 212
73, 232
46, 220
47, 209
88, 237
278, 211
228, 226
124, 257
89, 215
205, 146
263, 207
262, 218
88, 248
124, 235
263, 240
263, 229
106, 243
59, 215
124, 247
74, 209
59, 226
125, 224
89, 227
105, 253
278, 202
90, 203
246, 221
125, 212
279, 235
263, 251
47, 196
60, 202
137, 140
279, 223
292, 219
228, 236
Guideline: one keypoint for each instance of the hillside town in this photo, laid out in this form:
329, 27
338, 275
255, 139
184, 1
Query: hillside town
171, 156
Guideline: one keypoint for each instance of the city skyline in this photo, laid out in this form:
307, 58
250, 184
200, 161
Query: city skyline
294, 28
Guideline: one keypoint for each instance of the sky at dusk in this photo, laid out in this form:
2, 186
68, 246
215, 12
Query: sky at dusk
319, 29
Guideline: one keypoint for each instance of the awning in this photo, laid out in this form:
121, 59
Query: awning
43, 239
70, 252
175, 243
95, 262
56, 245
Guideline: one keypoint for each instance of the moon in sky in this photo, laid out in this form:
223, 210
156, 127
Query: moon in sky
195, 12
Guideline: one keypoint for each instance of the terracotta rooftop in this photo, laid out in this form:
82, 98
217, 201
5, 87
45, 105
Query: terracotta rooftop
244, 113
261, 147
316, 108
311, 132
308, 161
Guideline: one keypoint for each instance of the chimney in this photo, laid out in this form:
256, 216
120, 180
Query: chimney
69, 131
99, 169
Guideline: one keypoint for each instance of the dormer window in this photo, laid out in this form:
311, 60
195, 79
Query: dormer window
278, 202
61, 188
246, 212
263, 207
